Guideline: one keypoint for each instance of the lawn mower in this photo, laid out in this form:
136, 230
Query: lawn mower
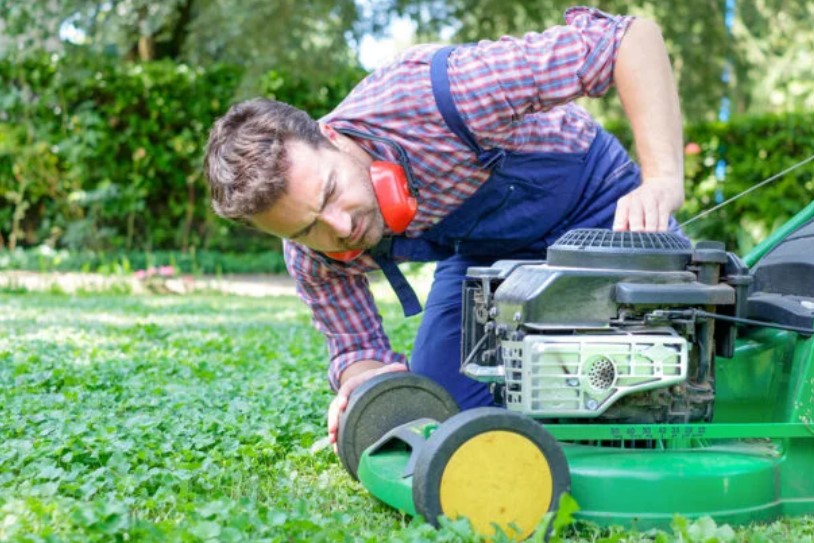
645, 376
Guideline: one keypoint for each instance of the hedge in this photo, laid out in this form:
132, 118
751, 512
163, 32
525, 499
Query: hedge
749, 150
104, 156
101, 155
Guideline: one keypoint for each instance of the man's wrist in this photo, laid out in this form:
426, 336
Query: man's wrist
357, 368
669, 187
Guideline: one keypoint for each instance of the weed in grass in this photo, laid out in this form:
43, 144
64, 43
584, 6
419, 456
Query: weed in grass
150, 418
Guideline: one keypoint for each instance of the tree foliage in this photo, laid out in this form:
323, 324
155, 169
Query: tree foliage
775, 56
103, 155
96, 153
770, 46
315, 36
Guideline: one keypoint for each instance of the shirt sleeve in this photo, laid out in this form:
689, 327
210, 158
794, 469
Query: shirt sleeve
495, 83
342, 306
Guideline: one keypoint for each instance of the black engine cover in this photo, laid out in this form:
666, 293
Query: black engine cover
599, 248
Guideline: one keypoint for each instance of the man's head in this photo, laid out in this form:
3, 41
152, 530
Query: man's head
271, 165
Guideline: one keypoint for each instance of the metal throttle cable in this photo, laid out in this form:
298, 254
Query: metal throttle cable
747, 191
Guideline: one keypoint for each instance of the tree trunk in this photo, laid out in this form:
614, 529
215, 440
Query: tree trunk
20, 207
146, 43
146, 48
178, 33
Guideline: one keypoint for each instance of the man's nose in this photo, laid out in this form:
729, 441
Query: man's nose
340, 222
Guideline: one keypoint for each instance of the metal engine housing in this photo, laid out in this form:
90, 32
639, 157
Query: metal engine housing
602, 328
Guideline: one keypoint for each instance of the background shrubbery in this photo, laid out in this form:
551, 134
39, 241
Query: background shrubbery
197, 262
103, 156
100, 155
749, 149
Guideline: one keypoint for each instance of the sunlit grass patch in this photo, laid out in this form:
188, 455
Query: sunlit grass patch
194, 418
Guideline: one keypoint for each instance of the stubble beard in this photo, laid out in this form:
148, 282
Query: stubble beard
373, 217
375, 226
374, 230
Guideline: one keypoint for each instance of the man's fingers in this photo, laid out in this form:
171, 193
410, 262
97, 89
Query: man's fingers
648, 208
620, 221
333, 421
635, 216
651, 212
338, 404
659, 225
340, 401
664, 218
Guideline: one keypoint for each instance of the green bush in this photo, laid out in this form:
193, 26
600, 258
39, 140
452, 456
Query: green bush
100, 154
43, 258
318, 99
753, 149
105, 154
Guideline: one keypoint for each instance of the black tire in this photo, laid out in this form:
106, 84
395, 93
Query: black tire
384, 402
492, 466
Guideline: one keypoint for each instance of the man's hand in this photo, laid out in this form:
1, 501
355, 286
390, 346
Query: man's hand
648, 208
352, 377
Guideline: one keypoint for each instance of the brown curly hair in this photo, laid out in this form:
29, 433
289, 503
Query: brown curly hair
246, 162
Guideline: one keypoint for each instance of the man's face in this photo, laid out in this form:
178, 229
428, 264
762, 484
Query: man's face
329, 204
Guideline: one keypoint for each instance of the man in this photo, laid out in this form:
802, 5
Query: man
500, 160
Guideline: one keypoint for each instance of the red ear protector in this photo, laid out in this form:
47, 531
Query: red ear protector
395, 186
396, 201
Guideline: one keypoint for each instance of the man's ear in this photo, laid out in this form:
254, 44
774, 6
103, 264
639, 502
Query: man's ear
329, 133
336, 139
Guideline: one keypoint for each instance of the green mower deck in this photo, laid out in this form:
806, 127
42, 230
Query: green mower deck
754, 462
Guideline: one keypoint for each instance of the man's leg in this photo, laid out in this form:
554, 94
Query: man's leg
437, 349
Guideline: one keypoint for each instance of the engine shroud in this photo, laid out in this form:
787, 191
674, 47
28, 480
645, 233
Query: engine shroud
583, 375
601, 329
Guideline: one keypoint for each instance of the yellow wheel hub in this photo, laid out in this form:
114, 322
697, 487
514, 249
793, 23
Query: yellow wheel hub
497, 477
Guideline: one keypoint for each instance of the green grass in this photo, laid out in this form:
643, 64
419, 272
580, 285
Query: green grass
195, 418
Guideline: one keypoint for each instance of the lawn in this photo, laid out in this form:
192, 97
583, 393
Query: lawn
197, 418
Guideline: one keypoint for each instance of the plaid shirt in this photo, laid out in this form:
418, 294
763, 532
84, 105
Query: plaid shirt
513, 93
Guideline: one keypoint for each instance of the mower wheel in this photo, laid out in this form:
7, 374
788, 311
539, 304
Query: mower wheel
384, 402
493, 467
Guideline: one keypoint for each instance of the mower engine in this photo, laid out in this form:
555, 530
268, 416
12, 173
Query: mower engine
614, 326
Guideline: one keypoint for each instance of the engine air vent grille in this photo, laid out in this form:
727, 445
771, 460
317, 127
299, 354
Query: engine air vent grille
598, 238
602, 373
600, 248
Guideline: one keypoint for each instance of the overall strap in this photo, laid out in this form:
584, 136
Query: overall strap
382, 254
449, 111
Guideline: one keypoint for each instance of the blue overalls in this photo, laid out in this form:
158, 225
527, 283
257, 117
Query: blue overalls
529, 201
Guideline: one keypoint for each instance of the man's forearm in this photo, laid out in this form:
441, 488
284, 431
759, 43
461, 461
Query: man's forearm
647, 89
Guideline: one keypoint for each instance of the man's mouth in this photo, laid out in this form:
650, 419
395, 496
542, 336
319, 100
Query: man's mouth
358, 233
